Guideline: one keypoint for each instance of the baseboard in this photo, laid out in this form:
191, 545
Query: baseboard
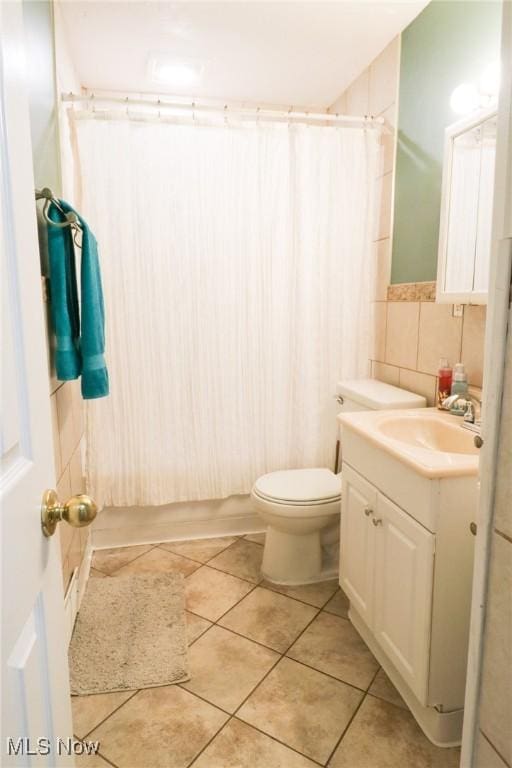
127, 526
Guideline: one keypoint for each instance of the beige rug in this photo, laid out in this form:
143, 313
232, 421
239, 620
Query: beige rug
130, 633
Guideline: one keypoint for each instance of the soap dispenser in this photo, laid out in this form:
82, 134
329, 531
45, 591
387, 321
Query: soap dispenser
445, 375
460, 380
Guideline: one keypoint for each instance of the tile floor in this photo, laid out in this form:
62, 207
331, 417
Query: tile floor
279, 677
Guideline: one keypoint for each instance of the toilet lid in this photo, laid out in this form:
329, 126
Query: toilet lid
300, 486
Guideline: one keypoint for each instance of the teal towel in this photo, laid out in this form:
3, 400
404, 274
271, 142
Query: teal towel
86, 326
64, 294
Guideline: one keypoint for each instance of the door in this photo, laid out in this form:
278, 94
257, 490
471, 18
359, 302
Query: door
34, 672
357, 542
404, 564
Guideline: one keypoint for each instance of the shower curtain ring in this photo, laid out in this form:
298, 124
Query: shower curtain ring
225, 114
193, 111
289, 113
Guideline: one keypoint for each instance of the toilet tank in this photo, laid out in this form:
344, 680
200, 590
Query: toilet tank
373, 395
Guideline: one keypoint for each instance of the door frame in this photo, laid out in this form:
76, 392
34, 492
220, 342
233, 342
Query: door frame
498, 325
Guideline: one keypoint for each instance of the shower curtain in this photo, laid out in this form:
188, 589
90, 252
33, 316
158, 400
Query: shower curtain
237, 266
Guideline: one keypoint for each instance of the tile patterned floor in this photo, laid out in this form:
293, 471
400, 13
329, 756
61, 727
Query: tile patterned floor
279, 677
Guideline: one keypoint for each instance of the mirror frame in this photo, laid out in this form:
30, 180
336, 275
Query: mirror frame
451, 133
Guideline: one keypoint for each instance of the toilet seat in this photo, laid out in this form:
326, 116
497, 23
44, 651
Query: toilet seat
298, 488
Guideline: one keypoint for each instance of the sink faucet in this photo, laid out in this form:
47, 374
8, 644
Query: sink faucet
472, 410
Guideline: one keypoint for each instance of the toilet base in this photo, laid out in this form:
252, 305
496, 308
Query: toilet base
329, 574
293, 559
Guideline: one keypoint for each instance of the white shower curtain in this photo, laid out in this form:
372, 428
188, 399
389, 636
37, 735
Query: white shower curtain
237, 265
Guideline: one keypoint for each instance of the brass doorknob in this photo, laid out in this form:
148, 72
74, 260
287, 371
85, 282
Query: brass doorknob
78, 511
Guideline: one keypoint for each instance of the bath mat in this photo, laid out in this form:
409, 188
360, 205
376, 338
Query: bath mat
130, 633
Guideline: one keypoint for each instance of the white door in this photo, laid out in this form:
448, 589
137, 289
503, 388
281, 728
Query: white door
357, 542
34, 672
404, 569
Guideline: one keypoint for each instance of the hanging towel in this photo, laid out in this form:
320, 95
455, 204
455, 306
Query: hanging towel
64, 303
87, 325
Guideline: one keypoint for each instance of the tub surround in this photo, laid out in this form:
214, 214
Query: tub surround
125, 526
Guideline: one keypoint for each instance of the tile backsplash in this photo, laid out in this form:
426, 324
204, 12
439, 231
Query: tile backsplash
411, 336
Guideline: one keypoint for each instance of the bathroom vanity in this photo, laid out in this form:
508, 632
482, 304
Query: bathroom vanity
409, 497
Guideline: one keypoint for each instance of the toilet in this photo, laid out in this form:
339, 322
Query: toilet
301, 507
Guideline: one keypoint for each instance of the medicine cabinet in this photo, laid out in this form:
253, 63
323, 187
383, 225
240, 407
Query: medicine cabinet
466, 210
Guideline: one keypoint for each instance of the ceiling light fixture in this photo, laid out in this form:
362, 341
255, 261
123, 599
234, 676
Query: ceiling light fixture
179, 75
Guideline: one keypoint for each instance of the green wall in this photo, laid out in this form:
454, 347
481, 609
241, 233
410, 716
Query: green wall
450, 42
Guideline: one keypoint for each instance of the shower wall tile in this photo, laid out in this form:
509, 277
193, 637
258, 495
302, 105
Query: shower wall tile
55, 433
379, 321
382, 257
77, 408
387, 152
65, 421
357, 95
384, 72
340, 105
384, 199
67, 432
402, 333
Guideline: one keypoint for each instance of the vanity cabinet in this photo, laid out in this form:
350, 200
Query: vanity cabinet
406, 555
386, 568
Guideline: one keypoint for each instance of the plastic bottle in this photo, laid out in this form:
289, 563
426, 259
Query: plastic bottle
460, 380
445, 375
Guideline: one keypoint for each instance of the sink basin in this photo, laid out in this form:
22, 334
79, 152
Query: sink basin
431, 442
429, 432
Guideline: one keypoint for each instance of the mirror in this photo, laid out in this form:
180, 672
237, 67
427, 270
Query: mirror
466, 210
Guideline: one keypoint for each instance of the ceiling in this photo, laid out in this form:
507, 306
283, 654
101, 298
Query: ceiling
296, 53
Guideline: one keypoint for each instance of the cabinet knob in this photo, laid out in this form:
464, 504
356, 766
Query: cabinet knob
472, 528
368, 511
377, 521
478, 441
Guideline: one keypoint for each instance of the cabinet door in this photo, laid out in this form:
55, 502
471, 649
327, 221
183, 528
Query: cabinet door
357, 542
404, 552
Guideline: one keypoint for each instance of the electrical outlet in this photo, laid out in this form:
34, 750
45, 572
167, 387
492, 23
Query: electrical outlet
458, 310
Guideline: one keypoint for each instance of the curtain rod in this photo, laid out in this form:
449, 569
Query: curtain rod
226, 110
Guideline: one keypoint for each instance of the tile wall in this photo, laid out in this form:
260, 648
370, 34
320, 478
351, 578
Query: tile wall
68, 428
411, 332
